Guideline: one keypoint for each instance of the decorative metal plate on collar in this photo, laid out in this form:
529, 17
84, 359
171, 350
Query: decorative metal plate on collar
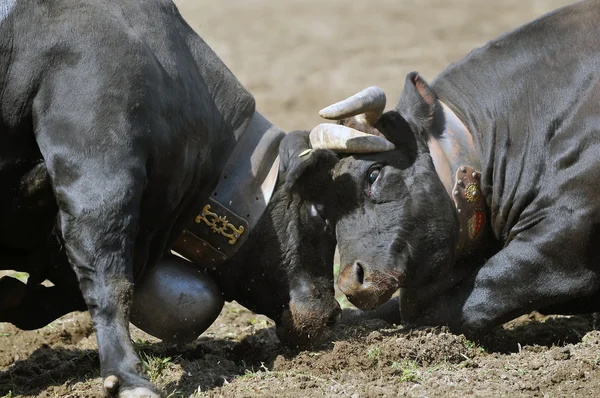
219, 224
214, 237
470, 207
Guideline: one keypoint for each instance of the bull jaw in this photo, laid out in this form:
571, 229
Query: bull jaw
371, 304
293, 336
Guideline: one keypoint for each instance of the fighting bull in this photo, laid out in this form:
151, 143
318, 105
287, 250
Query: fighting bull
123, 136
488, 207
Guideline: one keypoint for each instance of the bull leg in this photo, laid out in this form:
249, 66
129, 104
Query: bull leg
99, 241
98, 180
32, 308
541, 267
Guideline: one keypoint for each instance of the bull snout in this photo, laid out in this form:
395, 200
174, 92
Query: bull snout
307, 324
367, 289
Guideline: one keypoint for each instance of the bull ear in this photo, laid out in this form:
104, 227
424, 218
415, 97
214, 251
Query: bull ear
398, 131
419, 106
305, 169
417, 116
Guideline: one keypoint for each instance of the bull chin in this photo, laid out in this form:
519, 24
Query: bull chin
303, 335
372, 300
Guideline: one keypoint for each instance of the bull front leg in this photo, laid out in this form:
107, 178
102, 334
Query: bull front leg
98, 179
546, 265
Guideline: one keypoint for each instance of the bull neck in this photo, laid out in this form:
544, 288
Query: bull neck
453, 148
458, 166
224, 221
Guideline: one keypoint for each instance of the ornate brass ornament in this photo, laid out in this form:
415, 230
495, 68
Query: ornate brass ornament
472, 193
470, 207
220, 225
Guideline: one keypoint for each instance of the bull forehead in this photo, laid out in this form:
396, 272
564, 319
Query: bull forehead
358, 165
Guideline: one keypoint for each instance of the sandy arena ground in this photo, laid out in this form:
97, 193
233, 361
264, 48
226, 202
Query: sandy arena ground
297, 56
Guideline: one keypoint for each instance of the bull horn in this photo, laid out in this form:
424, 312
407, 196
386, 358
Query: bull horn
344, 139
370, 101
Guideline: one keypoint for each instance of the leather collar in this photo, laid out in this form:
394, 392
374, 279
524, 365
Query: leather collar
226, 219
470, 208
459, 168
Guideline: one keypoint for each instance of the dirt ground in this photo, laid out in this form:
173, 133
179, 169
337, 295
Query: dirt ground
297, 56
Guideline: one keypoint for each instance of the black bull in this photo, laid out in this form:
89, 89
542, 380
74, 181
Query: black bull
116, 120
490, 205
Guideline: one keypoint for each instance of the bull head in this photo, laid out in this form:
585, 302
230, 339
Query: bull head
396, 225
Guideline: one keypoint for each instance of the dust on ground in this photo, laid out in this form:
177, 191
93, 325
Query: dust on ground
297, 57
240, 356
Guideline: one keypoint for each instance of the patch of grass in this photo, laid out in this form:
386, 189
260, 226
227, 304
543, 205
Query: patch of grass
472, 344
141, 344
409, 371
233, 310
9, 395
374, 353
154, 365
176, 394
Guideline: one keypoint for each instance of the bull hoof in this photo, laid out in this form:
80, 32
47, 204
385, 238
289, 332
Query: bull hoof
139, 392
111, 384
114, 387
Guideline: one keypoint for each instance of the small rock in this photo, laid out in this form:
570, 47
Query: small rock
374, 336
279, 361
470, 364
561, 354
535, 365
559, 376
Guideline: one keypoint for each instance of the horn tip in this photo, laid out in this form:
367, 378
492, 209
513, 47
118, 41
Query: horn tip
327, 113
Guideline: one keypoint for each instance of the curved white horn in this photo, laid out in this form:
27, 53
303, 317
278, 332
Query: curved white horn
340, 138
370, 101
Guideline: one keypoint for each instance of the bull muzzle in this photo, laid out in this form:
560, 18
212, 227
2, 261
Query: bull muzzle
365, 288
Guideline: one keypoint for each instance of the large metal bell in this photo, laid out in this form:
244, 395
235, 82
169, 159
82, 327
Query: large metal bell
175, 301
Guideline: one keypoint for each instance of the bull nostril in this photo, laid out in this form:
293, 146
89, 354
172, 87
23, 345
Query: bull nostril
360, 272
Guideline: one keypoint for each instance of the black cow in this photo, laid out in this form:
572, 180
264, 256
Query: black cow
490, 206
116, 122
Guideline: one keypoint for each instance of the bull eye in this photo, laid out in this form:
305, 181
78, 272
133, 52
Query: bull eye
313, 211
317, 210
373, 174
